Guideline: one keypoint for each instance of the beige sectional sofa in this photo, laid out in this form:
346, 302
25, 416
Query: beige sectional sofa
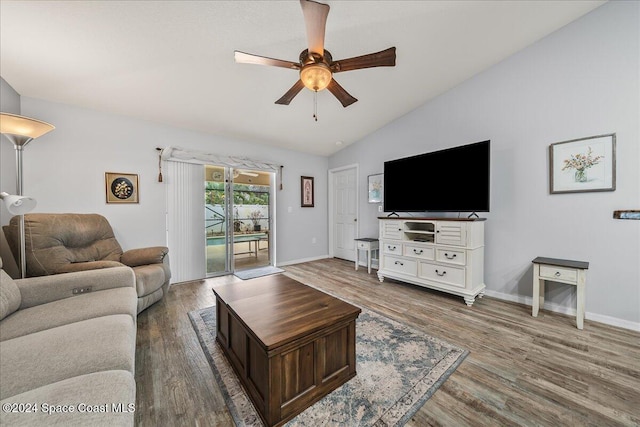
67, 357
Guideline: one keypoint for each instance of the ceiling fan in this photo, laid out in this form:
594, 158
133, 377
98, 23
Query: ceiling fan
316, 66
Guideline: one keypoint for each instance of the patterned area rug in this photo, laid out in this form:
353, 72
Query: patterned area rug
399, 368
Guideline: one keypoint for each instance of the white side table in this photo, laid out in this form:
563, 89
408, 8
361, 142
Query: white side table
368, 244
562, 271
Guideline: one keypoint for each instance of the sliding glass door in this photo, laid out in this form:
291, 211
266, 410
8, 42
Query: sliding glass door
216, 206
238, 219
251, 218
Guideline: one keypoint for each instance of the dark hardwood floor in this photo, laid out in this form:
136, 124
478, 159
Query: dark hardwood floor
520, 371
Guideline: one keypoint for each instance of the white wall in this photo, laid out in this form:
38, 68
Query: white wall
581, 81
9, 103
64, 170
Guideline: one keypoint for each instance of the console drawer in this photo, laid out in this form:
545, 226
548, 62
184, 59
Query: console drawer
392, 248
551, 272
445, 274
450, 256
401, 265
418, 251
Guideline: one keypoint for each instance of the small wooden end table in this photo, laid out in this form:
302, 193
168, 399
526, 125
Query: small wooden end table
562, 271
367, 244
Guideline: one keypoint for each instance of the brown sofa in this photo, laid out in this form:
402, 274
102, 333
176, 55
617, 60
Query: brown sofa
65, 243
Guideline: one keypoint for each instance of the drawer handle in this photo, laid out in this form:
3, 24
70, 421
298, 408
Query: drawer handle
449, 257
418, 252
443, 273
558, 274
398, 263
391, 248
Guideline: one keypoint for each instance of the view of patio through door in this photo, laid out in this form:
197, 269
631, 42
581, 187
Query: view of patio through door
239, 240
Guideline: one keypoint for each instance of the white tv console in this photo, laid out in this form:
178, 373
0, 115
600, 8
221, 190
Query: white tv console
437, 253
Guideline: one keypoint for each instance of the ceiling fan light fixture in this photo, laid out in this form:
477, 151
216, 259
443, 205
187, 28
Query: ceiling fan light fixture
316, 65
316, 76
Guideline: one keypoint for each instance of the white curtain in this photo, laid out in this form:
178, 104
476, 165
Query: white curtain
185, 221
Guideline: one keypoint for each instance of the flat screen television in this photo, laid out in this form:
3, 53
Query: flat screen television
451, 180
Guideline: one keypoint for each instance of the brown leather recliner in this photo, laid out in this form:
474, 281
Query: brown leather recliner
63, 243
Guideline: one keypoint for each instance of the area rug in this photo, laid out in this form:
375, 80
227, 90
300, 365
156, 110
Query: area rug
398, 367
257, 272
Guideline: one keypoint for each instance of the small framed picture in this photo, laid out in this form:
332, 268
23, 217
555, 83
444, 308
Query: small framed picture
306, 188
585, 164
374, 189
121, 187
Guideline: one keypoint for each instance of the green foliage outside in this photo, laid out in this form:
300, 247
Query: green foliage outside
242, 194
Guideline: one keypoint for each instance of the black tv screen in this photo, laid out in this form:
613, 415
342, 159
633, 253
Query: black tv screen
451, 180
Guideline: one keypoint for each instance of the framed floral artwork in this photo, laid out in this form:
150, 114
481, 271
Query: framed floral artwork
306, 189
121, 187
581, 165
374, 188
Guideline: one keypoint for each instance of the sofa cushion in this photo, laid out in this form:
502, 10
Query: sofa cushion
144, 256
88, 265
52, 355
149, 299
112, 390
149, 278
55, 240
45, 289
69, 310
9, 295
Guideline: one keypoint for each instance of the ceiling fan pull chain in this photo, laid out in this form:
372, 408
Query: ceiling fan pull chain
315, 105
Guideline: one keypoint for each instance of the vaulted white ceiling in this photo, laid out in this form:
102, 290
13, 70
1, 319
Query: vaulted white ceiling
172, 61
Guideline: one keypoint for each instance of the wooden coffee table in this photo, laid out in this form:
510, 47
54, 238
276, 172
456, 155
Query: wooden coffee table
290, 344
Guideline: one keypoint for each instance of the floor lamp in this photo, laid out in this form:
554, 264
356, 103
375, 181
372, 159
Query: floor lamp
21, 130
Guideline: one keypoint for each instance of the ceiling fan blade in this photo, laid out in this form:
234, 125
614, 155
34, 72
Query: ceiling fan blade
339, 92
291, 93
315, 19
384, 58
248, 58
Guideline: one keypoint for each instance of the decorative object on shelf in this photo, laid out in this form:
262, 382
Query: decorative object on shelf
628, 214
255, 217
121, 187
306, 189
237, 224
581, 165
20, 131
375, 188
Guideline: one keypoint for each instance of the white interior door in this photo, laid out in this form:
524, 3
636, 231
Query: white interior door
344, 210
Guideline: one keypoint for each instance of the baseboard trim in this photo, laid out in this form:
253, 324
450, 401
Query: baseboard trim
301, 260
557, 308
374, 265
